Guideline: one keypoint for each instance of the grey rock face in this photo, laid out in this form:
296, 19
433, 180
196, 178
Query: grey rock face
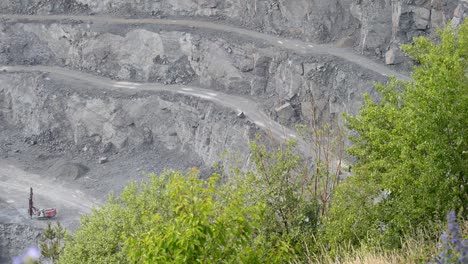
43, 6
460, 13
121, 120
286, 113
394, 55
319, 21
389, 23
272, 75
371, 26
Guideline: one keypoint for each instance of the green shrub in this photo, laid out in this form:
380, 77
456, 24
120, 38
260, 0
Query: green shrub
411, 149
51, 242
178, 219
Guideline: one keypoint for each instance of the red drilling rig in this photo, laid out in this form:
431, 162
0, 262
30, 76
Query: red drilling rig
40, 213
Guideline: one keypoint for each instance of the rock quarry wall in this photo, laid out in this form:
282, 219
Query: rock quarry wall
289, 85
372, 27
110, 120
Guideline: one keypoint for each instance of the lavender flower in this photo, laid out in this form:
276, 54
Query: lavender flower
32, 256
453, 248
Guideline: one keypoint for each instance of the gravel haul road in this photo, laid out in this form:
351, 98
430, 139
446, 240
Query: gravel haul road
295, 45
240, 104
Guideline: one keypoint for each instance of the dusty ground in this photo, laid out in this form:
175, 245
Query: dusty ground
57, 183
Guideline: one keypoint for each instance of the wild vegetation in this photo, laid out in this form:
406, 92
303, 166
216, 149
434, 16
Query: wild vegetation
410, 172
410, 149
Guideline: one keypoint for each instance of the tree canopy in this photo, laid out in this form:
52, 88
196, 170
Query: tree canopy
411, 148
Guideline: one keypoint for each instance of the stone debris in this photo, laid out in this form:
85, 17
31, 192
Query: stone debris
285, 113
103, 160
394, 56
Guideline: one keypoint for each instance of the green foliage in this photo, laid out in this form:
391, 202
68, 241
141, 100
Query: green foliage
99, 239
328, 148
200, 222
296, 193
270, 215
51, 242
281, 183
410, 147
172, 218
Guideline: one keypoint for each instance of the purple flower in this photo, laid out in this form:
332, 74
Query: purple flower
17, 260
32, 256
453, 248
33, 253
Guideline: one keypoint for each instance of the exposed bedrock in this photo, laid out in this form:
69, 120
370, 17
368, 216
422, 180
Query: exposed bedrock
275, 77
319, 20
373, 27
103, 120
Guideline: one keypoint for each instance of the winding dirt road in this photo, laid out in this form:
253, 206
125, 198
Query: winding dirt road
250, 108
298, 46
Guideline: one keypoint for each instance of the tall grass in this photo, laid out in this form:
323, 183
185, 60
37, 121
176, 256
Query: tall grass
418, 246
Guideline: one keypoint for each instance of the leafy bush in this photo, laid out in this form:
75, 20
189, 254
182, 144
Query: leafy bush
270, 215
410, 148
51, 242
282, 183
297, 192
196, 222
174, 218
